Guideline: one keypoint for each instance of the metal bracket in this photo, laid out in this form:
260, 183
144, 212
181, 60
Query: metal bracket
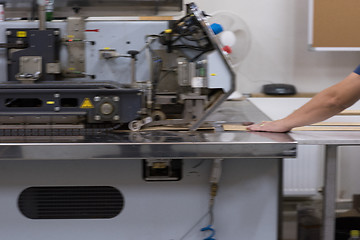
76, 47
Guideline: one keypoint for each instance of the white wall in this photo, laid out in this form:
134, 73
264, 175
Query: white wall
279, 51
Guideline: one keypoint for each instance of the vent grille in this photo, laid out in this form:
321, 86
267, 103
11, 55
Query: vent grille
71, 202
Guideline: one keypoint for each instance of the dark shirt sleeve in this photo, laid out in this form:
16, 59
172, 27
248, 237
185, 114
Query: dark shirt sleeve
357, 70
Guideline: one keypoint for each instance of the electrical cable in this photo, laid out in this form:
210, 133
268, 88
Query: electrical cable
33, 10
192, 228
199, 55
209, 228
199, 163
215, 177
191, 47
211, 213
194, 39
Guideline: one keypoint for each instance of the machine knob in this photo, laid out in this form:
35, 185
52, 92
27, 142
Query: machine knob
106, 108
133, 54
217, 28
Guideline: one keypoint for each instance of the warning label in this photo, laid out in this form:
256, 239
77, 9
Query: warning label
87, 103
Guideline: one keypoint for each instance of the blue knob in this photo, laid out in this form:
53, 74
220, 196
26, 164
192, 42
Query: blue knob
217, 28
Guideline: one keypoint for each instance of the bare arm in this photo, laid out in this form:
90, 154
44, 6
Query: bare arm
322, 106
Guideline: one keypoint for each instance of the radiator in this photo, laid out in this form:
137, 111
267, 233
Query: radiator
303, 175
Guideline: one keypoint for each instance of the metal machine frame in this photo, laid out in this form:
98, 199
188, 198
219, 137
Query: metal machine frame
190, 76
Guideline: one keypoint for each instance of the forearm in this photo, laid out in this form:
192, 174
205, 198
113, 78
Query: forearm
324, 105
327, 103
319, 108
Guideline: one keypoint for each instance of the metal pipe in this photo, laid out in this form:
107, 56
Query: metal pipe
42, 17
133, 72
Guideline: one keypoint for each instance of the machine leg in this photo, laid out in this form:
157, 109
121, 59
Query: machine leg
329, 197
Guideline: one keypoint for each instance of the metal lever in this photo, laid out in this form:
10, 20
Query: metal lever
137, 124
133, 54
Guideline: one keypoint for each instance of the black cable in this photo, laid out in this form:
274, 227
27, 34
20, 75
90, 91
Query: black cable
33, 9
152, 35
198, 164
195, 40
192, 228
199, 55
192, 47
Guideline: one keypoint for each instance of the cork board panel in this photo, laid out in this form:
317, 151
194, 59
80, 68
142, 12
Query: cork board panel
336, 23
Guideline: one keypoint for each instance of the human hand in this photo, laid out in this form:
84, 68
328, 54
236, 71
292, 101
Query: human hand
273, 126
276, 136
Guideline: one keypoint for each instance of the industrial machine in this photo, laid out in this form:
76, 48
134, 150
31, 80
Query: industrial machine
80, 73
68, 83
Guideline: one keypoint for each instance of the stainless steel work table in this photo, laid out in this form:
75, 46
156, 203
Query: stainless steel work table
332, 140
247, 204
161, 144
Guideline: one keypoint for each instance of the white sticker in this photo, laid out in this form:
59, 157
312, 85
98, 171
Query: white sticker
197, 82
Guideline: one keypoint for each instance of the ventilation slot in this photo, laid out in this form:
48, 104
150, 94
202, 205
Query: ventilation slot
23, 102
74, 202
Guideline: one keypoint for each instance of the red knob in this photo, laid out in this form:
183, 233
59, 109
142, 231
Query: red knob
227, 49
